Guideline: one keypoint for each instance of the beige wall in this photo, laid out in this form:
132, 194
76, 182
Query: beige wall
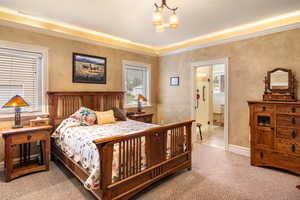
249, 60
60, 64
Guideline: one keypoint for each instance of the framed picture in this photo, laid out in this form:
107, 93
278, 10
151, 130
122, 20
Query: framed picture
174, 81
89, 69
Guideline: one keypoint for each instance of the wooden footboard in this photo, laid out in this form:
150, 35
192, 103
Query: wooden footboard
167, 148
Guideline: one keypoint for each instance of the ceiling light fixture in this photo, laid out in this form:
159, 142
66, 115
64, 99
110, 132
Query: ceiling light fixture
158, 18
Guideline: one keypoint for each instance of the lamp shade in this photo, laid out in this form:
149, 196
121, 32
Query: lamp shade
15, 101
141, 98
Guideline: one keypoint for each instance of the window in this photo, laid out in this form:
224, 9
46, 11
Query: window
21, 73
136, 81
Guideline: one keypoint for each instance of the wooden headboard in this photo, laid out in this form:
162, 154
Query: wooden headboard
63, 104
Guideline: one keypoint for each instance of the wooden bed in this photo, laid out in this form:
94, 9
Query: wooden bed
63, 104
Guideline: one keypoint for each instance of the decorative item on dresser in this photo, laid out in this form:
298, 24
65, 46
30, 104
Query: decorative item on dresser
23, 137
275, 131
279, 85
142, 117
160, 163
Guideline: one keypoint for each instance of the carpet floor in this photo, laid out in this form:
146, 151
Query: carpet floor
216, 175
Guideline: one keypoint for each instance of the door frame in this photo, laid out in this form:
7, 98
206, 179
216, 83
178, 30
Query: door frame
194, 66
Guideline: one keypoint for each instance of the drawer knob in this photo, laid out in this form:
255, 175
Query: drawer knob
264, 108
293, 109
261, 154
293, 148
293, 121
294, 134
29, 137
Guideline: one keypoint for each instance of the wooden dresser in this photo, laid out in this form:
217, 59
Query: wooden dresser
275, 134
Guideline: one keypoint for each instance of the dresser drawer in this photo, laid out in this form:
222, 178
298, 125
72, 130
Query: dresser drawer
264, 138
288, 121
288, 133
29, 137
287, 146
265, 108
277, 159
288, 109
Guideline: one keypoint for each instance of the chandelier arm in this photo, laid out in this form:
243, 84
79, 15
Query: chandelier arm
164, 4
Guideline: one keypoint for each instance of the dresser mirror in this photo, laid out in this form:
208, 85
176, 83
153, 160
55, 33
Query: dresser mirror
279, 80
279, 85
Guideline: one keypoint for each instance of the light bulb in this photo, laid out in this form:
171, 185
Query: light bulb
157, 18
159, 28
173, 21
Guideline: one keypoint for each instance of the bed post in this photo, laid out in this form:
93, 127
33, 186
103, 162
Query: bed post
106, 157
189, 142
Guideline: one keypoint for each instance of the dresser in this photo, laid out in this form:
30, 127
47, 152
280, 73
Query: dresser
275, 134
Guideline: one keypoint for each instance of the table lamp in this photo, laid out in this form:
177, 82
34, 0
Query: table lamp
16, 102
140, 99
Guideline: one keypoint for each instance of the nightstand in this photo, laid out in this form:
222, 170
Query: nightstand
142, 117
24, 137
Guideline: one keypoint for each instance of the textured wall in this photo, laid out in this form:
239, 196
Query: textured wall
60, 64
249, 60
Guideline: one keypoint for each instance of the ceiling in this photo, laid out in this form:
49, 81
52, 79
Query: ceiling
131, 19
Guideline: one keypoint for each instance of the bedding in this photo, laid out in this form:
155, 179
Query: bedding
85, 116
106, 117
119, 114
77, 142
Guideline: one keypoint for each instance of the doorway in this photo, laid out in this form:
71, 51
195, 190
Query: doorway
210, 102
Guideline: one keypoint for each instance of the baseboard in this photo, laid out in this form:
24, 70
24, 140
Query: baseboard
17, 160
245, 151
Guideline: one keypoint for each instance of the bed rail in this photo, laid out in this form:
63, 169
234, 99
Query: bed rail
167, 149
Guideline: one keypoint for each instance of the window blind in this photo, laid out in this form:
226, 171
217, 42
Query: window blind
20, 74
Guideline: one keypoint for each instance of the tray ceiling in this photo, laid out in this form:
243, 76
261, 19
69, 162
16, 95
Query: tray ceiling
131, 19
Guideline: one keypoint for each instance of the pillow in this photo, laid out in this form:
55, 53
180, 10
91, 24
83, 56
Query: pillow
106, 117
119, 114
85, 115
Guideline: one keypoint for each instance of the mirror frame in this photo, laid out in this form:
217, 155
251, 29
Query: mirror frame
290, 77
279, 94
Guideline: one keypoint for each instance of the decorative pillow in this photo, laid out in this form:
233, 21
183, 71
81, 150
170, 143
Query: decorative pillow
85, 115
106, 117
119, 114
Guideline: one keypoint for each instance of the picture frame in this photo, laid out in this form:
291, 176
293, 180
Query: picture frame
174, 81
89, 69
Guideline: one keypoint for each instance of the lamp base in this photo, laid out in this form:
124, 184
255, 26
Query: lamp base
18, 123
17, 126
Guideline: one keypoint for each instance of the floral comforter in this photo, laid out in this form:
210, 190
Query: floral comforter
77, 142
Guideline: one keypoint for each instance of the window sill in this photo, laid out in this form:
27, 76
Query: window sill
135, 106
24, 116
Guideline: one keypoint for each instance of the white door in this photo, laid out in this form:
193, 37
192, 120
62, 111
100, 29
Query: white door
203, 96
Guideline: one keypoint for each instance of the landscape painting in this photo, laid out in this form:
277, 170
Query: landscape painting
89, 69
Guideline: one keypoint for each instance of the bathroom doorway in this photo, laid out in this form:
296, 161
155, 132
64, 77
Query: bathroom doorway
210, 103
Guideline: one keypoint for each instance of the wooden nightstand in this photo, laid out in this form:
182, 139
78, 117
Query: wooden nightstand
24, 137
142, 117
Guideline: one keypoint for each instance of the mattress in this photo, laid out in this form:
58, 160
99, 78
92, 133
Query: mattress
77, 142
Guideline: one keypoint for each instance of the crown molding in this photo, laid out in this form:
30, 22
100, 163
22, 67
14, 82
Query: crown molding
233, 39
13, 18
271, 25
284, 22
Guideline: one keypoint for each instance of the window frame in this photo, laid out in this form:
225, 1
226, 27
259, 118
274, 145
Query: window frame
137, 64
44, 77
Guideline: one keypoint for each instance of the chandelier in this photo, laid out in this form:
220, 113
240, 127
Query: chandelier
158, 18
